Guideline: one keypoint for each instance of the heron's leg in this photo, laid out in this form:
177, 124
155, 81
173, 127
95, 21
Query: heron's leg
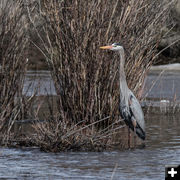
129, 138
134, 137
134, 133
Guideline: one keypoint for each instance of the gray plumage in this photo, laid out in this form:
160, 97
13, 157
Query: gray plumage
130, 109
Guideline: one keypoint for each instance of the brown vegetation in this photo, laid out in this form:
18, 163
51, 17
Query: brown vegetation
13, 41
68, 34
86, 79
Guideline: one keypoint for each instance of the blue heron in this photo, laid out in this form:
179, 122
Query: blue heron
129, 108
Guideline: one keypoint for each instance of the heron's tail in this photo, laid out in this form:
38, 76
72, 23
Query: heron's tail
140, 132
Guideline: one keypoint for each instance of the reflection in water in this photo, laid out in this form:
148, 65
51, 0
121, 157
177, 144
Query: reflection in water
162, 148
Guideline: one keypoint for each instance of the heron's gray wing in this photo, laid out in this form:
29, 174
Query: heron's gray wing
136, 110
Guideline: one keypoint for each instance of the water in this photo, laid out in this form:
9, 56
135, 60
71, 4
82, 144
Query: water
162, 148
162, 145
163, 86
158, 85
39, 83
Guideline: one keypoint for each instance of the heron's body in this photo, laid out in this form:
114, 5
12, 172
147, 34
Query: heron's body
133, 115
130, 109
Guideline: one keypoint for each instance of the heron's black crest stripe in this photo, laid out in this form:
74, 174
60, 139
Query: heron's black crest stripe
117, 44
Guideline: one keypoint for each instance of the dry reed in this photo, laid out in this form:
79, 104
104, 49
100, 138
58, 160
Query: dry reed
86, 78
12, 63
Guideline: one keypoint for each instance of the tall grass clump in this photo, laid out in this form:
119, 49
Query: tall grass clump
12, 63
86, 79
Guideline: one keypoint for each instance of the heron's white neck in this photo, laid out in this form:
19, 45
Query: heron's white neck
122, 77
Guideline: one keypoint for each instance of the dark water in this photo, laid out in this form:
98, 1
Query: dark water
162, 146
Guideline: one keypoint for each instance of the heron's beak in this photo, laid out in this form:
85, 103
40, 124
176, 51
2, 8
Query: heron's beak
106, 47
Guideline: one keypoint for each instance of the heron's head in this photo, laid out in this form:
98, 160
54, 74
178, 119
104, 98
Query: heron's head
113, 47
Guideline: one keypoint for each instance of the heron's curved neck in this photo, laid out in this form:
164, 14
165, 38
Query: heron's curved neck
122, 76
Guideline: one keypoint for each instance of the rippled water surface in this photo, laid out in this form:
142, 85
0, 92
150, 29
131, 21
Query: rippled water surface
162, 148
